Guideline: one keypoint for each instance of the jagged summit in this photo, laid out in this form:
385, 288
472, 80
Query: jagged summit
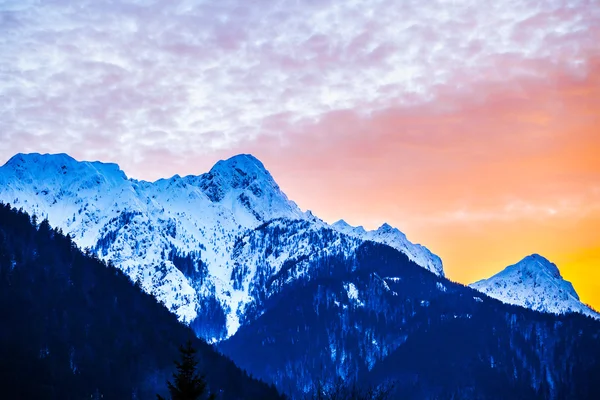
342, 224
147, 228
387, 230
385, 227
345, 227
536, 263
241, 162
51, 165
393, 237
241, 171
232, 168
20, 159
536, 283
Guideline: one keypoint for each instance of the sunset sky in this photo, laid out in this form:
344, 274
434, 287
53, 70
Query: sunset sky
472, 126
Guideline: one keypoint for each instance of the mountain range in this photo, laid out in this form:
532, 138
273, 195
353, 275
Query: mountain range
195, 220
294, 300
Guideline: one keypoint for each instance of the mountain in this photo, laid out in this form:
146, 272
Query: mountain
298, 302
74, 327
392, 237
375, 317
175, 236
535, 283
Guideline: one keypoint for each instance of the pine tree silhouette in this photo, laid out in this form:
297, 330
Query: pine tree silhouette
188, 384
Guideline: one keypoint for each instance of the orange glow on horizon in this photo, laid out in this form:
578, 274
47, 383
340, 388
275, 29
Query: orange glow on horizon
512, 172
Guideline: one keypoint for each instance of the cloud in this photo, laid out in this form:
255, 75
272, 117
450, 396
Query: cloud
208, 75
517, 151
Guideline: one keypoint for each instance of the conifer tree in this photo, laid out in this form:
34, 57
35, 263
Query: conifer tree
188, 384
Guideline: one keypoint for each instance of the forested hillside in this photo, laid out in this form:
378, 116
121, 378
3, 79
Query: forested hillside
75, 328
374, 316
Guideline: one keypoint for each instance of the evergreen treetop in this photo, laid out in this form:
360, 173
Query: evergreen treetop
187, 383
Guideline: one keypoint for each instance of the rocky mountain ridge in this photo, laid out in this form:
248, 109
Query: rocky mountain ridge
175, 236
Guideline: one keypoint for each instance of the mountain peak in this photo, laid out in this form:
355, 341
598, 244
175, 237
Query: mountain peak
341, 224
22, 159
241, 172
387, 228
536, 262
344, 227
241, 163
48, 165
393, 237
536, 283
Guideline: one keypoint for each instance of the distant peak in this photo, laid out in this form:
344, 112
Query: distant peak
538, 262
245, 157
21, 159
535, 283
245, 162
345, 227
342, 224
387, 228
536, 257
308, 214
51, 164
241, 171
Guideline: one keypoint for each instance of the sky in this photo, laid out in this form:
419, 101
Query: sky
472, 126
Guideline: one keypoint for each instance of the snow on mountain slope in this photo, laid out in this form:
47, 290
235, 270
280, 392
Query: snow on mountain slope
392, 237
344, 227
177, 236
136, 223
284, 250
535, 283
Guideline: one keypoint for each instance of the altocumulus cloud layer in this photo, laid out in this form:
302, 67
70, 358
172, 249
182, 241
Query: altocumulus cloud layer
136, 81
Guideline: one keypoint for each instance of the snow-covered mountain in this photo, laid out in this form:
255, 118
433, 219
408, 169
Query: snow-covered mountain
294, 300
391, 236
535, 283
373, 314
182, 238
